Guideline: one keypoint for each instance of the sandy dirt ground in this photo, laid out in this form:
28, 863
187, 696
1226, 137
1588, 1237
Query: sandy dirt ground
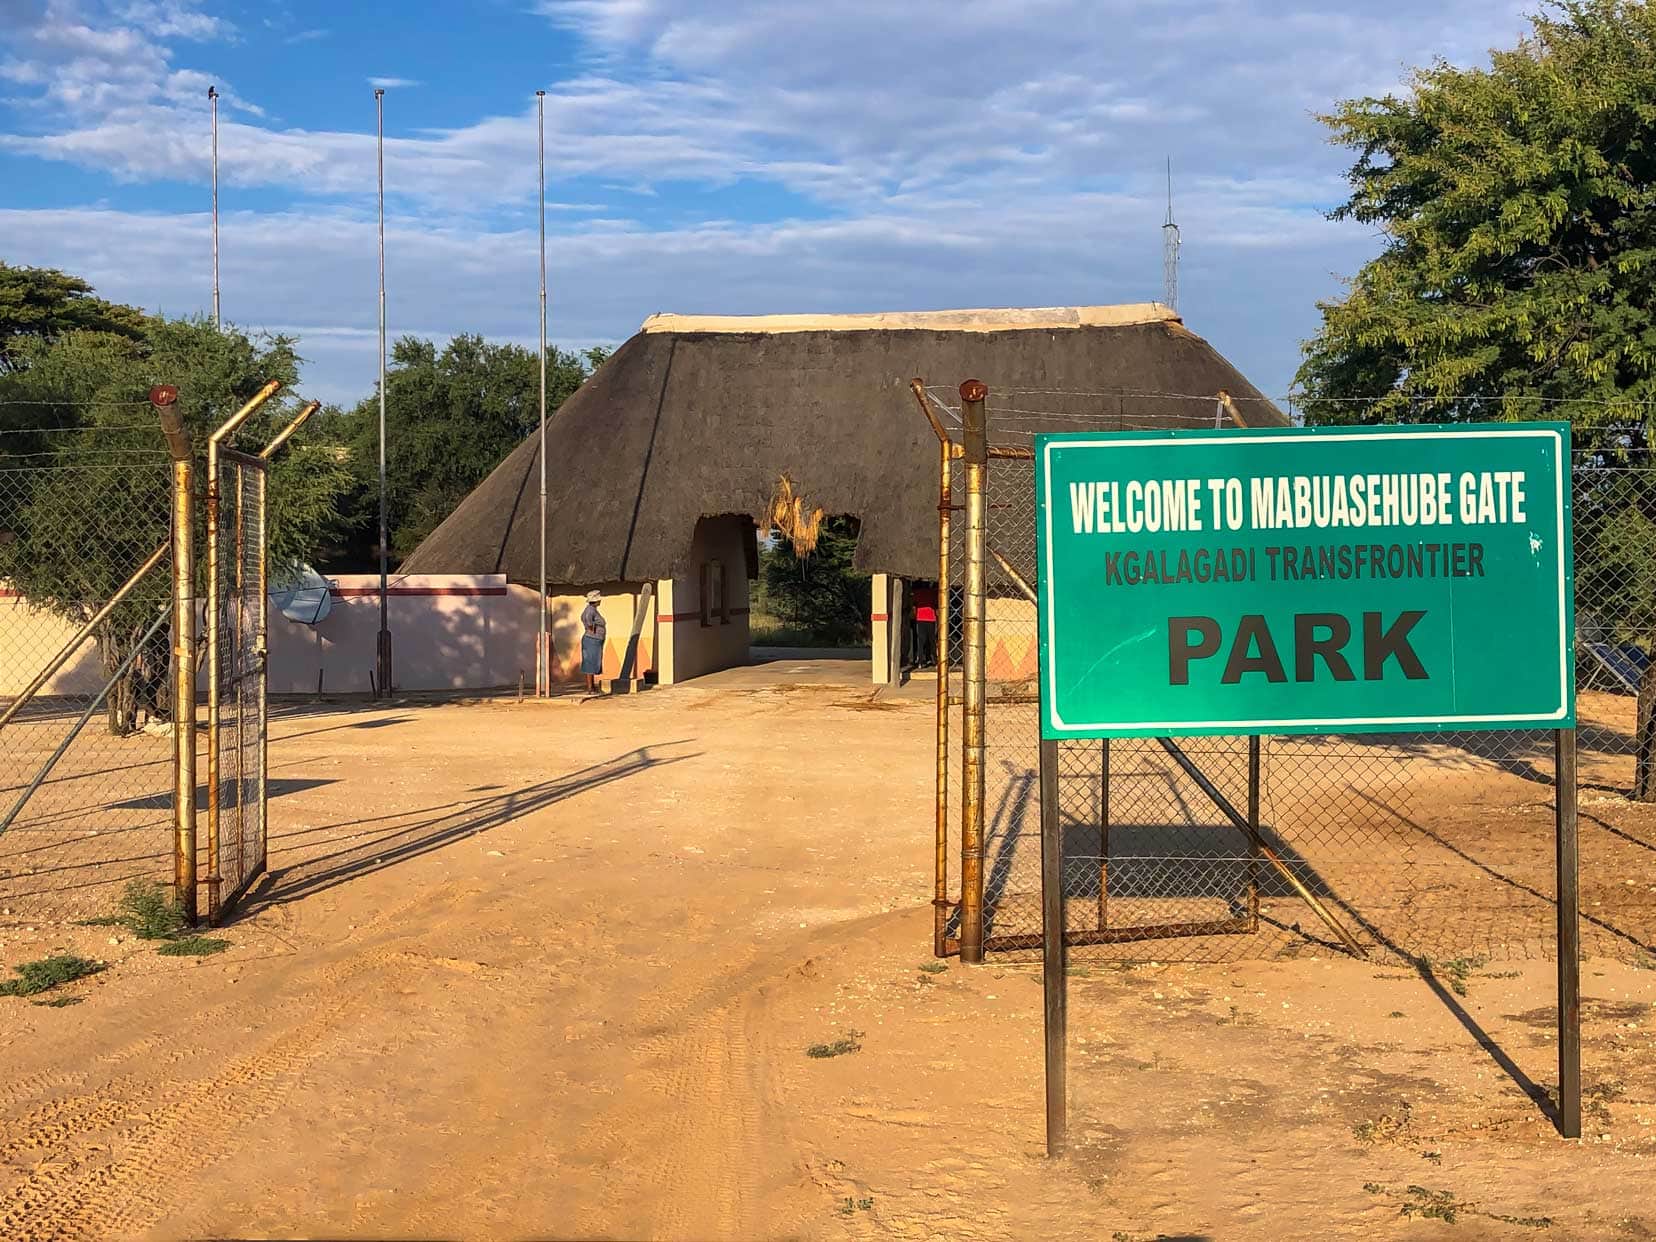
553, 970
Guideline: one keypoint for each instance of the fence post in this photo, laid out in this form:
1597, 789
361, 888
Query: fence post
163, 398
940, 659
975, 439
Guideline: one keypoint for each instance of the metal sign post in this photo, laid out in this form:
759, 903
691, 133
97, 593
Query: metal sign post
1569, 937
1054, 992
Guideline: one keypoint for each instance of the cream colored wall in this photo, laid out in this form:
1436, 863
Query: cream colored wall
29, 638
448, 631
689, 648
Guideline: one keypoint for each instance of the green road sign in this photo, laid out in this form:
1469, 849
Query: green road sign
1317, 580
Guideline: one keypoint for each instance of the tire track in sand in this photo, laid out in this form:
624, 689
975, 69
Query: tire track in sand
78, 1196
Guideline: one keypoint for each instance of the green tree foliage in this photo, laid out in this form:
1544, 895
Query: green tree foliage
1518, 210
816, 599
85, 503
1517, 205
41, 303
451, 416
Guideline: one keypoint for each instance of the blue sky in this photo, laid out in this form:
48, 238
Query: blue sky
719, 156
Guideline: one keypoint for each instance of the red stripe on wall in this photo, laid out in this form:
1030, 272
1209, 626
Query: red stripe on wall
696, 616
879, 616
344, 592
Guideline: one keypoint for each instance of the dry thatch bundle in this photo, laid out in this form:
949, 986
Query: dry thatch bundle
788, 516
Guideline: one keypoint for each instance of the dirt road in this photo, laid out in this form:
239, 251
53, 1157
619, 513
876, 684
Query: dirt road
552, 970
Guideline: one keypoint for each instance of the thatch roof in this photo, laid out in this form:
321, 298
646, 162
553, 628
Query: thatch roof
700, 416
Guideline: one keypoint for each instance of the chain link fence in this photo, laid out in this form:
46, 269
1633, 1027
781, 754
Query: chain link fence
86, 772
1415, 846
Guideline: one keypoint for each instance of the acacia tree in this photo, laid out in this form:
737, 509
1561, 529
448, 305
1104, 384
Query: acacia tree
77, 519
42, 303
451, 416
1517, 206
1517, 277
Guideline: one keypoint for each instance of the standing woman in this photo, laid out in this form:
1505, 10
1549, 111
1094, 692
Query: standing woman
592, 642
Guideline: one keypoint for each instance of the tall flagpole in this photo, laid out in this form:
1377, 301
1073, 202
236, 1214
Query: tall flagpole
545, 650
212, 99
383, 652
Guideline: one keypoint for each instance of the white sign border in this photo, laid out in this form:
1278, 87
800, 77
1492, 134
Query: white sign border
1049, 666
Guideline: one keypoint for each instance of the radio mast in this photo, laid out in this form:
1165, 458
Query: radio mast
1170, 249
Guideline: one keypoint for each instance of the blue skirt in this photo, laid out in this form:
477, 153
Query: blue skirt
592, 656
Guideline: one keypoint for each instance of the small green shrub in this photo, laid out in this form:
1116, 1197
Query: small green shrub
48, 973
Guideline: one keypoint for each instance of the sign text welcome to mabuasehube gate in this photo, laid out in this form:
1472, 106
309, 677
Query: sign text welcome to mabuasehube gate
1305, 580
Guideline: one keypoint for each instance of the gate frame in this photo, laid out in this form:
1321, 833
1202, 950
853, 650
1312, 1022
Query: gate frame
219, 903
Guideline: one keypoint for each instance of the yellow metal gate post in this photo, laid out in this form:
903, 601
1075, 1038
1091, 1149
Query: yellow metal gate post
164, 397
975, 438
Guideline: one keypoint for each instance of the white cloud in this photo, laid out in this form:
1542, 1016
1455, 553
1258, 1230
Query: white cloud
933, 153
1241, 286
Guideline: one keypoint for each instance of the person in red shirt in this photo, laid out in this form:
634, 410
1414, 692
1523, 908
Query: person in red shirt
924, 650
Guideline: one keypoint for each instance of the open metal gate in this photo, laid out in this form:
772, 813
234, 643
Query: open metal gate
237, 738
1163, 837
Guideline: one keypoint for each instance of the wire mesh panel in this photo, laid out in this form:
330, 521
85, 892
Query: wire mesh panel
236, 838
86, 774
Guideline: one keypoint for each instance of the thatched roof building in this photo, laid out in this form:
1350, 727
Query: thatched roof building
700, 416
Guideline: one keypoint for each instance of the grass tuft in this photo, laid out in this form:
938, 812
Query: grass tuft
147, 910
46, 974
59, 1002
193, 946
1457, 971
850, 1042
933, 968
